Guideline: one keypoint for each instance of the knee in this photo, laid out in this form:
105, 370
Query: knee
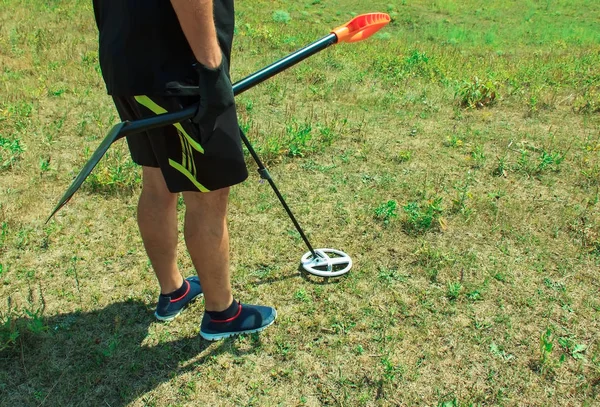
158, 198
210, 206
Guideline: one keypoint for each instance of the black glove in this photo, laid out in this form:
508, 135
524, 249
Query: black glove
214, 88
216, 92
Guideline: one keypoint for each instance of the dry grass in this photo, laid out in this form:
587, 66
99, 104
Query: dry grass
451, 309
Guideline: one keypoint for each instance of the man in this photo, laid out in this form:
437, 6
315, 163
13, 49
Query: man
158, 56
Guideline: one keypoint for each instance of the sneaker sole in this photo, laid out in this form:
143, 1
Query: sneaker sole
172, 317
216, 337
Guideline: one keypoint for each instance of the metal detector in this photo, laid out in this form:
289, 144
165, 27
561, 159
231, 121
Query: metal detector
319, 262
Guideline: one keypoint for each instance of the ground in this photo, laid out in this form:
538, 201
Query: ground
455, 156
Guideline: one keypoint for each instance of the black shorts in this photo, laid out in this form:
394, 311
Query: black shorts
191, 158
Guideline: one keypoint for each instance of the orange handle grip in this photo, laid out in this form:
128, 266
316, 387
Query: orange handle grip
361, 27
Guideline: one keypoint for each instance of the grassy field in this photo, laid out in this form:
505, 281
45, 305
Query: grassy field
455, 156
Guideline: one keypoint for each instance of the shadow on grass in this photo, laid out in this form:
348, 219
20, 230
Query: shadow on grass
100, 358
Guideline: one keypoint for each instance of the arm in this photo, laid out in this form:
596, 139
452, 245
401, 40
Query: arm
198, 25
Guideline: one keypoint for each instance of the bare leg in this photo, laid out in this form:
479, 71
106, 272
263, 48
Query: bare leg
157, 220
207, 241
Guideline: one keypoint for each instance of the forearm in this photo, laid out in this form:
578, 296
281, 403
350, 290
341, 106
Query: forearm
198, 25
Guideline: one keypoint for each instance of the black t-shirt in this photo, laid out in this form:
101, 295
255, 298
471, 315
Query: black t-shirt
142, 46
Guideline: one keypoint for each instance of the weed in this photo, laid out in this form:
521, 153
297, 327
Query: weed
390, 370
44, 164
478, 157
574, 349
403, 156
546, 161
453, 141
299, 137
302, 296
432, 258
459, 204
474, 295
547, 365
550, 161
423, 217
10, 151
16, 324
556, 286
393, 69
386, 211
476, 93
501, 167
418, 64
281, 16
453, 291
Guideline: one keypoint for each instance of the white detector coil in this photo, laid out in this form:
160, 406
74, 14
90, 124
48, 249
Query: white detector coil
327, 263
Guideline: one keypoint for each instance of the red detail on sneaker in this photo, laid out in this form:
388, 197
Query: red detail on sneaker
223, 321
184, 294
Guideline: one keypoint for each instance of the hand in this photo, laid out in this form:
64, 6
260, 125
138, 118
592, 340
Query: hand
216, 92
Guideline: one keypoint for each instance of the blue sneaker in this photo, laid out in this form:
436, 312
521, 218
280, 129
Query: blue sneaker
168, 308
249, 319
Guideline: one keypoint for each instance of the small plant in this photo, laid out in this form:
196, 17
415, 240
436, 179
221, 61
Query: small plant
416, 63
432, 274
281, 16
476, 94
390, 370
501, 167
474, 295
576, 350
550, 161
532, 105
459, 204
44, 164
478, 157
420, 218
453, 291
299, 137
453, 141
302, 296
10, 151
403, 156
16, 324
387, 211
546, 363
547, 161
546, 346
